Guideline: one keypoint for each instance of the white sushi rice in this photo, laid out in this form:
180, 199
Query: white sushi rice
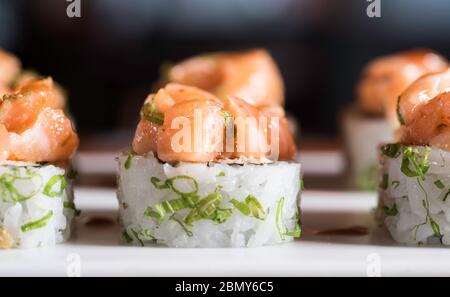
414, 193
269, 216
36, 205
362, 136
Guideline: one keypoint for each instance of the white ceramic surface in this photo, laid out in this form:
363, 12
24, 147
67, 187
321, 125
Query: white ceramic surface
95, 250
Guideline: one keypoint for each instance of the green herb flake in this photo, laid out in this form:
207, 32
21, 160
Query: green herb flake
399, 114
127, 164
127, 237
438, 183
186, 230
435, 227
71, 205
72, 174
418, 158
40, 223
221, 173
302, 185
395, 184
136, 235
250, 207
296, 233
55, 180
9, 191
391, 150
390, 211
384, 182
150, 113
446, 195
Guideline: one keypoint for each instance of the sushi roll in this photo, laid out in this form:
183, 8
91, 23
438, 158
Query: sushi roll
222, 193
374, 119
37, 141
414, 183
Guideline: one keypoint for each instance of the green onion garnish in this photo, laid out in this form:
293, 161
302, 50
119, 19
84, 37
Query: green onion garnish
150, 113
127, 164
399, 114
384, 182
390, 211
42, 222
48, 189
186, 230
250, 207
71, 205
419, 160
391, 150
10, 192
438, 183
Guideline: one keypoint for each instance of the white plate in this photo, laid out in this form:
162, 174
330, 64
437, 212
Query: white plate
95, 250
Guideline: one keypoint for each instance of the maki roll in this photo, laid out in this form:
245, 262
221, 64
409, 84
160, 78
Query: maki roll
37, 141
374, 119
414, 183
195, 178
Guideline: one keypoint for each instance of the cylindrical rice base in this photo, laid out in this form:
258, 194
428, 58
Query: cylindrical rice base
414, 193
36, 205
207, 205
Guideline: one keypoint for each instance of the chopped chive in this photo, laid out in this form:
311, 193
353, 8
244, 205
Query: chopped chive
435, 227
385, 182
40, 223
279, 216
399, 114
48, 189
72, 174
127, 237
9, 191
186, 230
391, 150
395, 184
390, 211
446, 195
302, 185
250, 207
150, 113
296, 233
439, 184
127, 164
71, 205
221, 173
419, 160
136, 235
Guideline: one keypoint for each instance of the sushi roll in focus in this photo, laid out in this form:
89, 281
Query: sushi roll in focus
414, 183
196, 178
37, 141
374, 119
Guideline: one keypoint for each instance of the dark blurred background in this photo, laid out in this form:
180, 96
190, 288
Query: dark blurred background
109, 58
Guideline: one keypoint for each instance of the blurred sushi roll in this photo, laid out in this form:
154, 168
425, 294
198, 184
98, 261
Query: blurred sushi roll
37, 141
374, 119
208, 196
414, 184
